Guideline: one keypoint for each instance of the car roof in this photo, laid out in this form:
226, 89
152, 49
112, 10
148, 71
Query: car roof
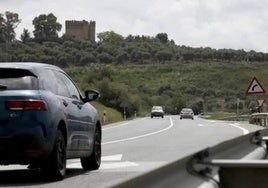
187, 109
27, 65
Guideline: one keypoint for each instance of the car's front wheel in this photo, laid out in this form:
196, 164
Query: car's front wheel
54, 167
93, 161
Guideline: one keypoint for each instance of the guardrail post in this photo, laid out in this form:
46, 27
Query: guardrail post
260, 119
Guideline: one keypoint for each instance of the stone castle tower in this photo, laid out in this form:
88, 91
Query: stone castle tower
81, 29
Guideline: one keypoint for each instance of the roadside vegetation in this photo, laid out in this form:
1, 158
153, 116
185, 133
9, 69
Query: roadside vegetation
133, 73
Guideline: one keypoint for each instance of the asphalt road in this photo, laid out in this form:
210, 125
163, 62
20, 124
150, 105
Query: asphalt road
131, 148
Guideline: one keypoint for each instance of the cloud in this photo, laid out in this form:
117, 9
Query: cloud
236, 24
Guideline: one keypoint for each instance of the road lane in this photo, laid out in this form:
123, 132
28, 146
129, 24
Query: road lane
145, 133
134, 147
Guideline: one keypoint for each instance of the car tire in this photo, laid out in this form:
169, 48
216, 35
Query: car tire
93, 161
54, 168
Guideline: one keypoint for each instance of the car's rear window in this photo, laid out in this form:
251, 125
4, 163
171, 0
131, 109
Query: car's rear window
17, 79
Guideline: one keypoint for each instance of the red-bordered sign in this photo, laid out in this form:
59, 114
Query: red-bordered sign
255, 87
260, 101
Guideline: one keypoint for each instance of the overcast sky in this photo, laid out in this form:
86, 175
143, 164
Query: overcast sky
235, 24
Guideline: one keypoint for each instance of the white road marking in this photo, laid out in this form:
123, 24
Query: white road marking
125, 164
107, 128
140, 136
211, 121
108, 162
236, 125
202, 125
115, 126
245, 131
112, 158
13, 167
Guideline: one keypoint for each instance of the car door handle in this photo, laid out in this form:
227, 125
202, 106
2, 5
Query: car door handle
78, 104
64, 103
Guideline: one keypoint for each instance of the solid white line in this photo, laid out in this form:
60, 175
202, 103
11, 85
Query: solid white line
120, 125
141, 136
107, 128
245, 131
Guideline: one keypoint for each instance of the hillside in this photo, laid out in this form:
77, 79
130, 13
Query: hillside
201, 86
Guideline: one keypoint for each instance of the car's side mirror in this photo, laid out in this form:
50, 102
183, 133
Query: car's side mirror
91, 95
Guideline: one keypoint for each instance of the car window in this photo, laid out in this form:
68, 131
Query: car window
54, 83
72, 90
18, 79
47, 81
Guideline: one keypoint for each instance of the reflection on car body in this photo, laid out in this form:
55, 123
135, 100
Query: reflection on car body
45, 119
186, 113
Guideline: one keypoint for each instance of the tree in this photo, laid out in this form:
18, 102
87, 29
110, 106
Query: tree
164, 55
122, 57
8, 24
111, 37
46, 27
162, 37
25, 36
105, 58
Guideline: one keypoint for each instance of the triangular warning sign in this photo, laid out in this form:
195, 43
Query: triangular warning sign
255, 87
260, 102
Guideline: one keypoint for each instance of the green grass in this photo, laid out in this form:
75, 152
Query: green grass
111, 114
220, 115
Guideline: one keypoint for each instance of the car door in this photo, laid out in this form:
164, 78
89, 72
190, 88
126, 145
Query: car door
83, 124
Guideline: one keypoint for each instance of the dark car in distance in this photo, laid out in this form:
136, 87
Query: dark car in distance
157, 111
45, 120
187, 113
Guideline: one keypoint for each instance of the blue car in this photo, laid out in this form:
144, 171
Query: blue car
45, 120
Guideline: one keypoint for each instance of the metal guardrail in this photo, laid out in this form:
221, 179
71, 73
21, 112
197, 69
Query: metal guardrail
226, 165
259, 119
236, 118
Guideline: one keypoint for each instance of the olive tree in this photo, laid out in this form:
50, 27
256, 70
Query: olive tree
46, 27
8, 23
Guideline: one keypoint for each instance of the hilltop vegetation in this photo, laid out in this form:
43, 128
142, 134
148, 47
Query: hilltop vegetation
135, 72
